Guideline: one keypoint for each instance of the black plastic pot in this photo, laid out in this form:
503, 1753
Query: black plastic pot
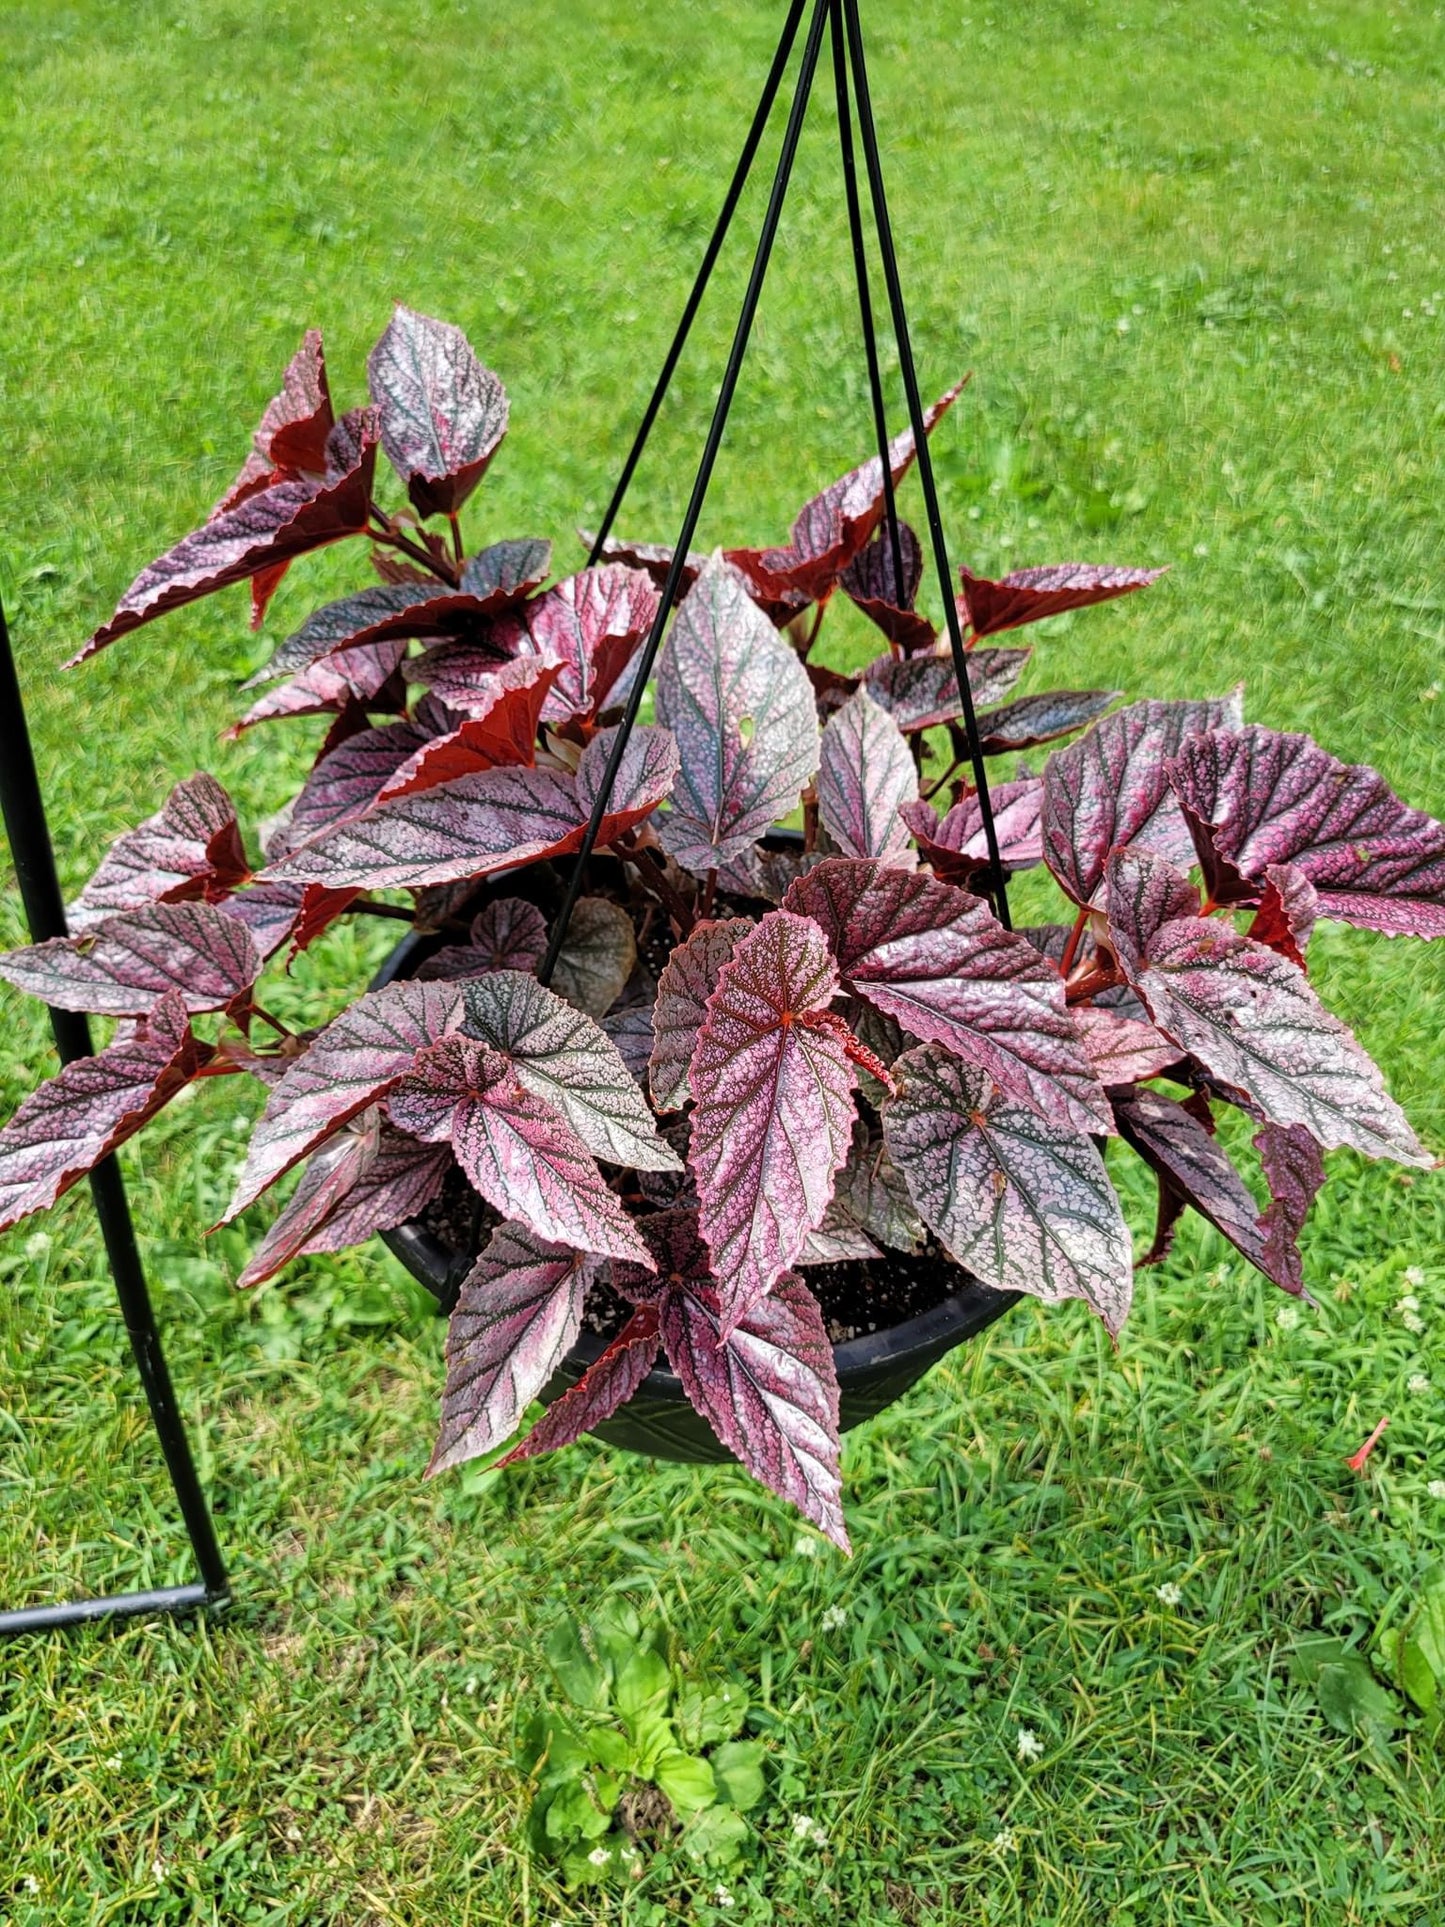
658, 1420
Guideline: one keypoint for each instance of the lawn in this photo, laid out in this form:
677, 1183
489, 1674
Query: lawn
1193, 256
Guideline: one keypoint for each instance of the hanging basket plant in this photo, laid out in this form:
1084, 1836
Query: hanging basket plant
677, 1086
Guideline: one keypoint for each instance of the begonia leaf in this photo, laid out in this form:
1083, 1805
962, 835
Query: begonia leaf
590, 626
957, 849
520, 1308
1145, 893
66, 1127
330, 1174
509, 934
1029, 595
320, 908
741, 708
631, 1031
273, 526
688, 979
1022, 1203
1251, 1019
1294, 1171
464, 675
504, 573
1122, 1050
597, 956
606, 1384
1259, 797
872, 1194
354, 1062
443, 415
402, 1180
937, 960
517, 1150
774, 1106
349, 779
269, 911
920, 692
768, 1387
386, 612
355, 676
565, 1058
121, 966
494, 820
1038, 719
869, 582
1112, 788
291, 436
191, 847
866, 777
500, 733
1288, 907
1195, 1167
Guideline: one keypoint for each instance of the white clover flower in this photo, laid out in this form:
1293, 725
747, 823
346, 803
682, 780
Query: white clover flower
36, 1246
1031, 1747
158, 1868
600, 1856
1168, 1594
1436, 1488
1287, 1317
807, 1546
1005, 1841
1408, 1303
1414, 1276
1413, 1322
833, 1618
1417, 1384
805, 1827
32, 1885
722, 1897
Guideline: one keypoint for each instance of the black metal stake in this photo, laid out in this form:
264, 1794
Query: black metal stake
799, 108
24, 814
865, 298
868, 133
704, 273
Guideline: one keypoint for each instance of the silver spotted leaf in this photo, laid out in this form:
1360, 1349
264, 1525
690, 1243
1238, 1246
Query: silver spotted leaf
589, 627
1294, 1171
956, 848
870, 581
597, 956
1288, 907
330, 1174
866, 777
349, 779
606, 1384
365, 676
1038, 719
1122, 1050
122, 966
443, 415
1023, 1204
1029, 595
509, 934
688, 979
1145, 892
398, 1184
191, 847
921, 692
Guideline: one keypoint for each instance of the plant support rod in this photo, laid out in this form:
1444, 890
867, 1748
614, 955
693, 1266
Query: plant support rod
24, 815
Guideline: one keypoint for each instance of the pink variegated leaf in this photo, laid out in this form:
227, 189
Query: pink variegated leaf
506, 573
348, 781
606, 1384
519, 1310
401, 1181
331, 1173
768, 1387
688, 979
957, 849
1112, 788
1029, 595
190, 848
463, 675
937, 960
866, 778
1288, 907
66, 1127
1122, 1050
356, 676
1145, 892
774, 1106
443, 415
291, 436
517, 1151
494, 820
1251, 1019
387, 612
921, 692
269, 911
1023, 1204
1038, 719
122, 966
630, 1029
869, 582
741, 708
500, 733
270, 528
832, 527
509, 934
1259, 797
359, 1057
1294, 1171
566, 1059
589, 627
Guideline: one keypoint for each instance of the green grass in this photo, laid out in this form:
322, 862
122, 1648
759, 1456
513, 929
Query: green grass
1193, 256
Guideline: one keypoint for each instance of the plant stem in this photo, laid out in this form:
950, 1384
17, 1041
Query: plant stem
388, 533
365, 906
457, 551
650, 864
281, 1030
709, 894
1066, 962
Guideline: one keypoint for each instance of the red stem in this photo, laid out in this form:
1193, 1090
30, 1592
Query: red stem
391, 535
1071, 948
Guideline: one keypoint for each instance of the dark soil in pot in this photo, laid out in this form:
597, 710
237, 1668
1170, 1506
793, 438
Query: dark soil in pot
889, 1318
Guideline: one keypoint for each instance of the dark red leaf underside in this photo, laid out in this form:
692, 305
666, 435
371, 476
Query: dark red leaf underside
500, 734
769, 1390
1288, 907
774, 1106
355, 1061
606, 1384
191, 847
1029, 595
1022, 1203
275, 525
66, 1127
122, 966
870, 583
1258, 798
866, 779
937, 960
956, 847
519, 1310
1112, 788
443, 415
291, 436
921, 692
